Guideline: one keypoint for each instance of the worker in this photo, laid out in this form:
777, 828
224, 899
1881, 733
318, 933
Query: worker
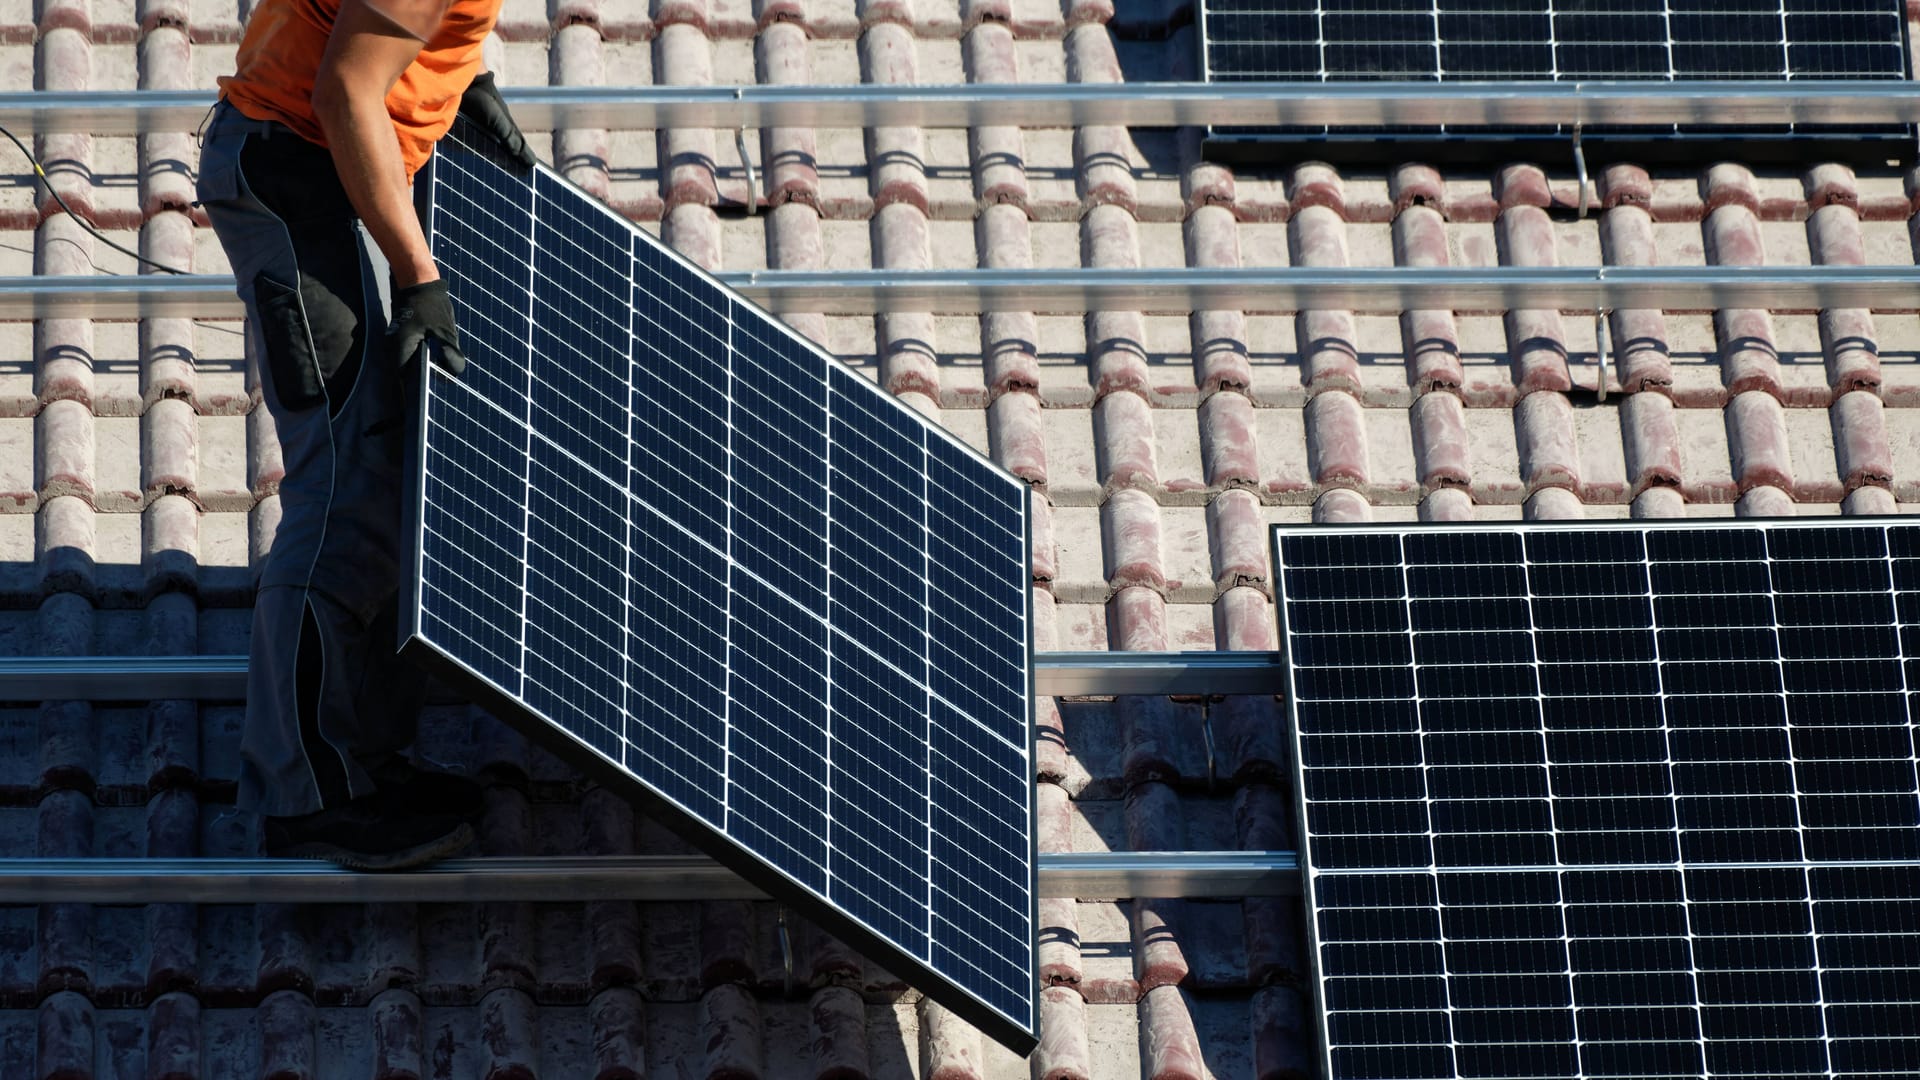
306, 168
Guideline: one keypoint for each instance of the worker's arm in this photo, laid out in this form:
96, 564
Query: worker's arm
369, 49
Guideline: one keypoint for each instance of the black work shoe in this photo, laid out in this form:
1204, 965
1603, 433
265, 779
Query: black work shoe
373, 832
430, 791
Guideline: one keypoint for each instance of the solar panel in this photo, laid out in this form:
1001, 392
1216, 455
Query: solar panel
1322, 40
731, 578
1624, 799
1549, 40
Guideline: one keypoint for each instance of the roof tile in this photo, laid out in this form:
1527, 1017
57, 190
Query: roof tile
1228, 446
840, 1035
1282, 1035
1125, 444
66, 1037
1757, 438
1650, 442
1137, 621
1549, 450
1448, 504
1337, 450
1063, 1053
1551, 503
1660, 502
1016, 437
1869, 500
1860, 442
1439, 435
1172, 1044
1768, 501
1337, 506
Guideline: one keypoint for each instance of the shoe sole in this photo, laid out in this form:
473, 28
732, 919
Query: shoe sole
433, 850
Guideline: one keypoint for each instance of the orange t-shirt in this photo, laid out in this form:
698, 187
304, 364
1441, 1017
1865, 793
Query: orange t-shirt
280, 55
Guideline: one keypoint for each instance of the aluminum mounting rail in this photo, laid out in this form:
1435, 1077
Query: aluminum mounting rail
564, 879
1099, 674
1850, 103
1379, 289
223, 678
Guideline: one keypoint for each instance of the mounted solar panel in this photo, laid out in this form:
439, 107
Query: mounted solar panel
730, 578
1550, 40
1608, 799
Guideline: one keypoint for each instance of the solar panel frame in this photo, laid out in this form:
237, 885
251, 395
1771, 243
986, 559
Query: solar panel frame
1311, 886
999, 1020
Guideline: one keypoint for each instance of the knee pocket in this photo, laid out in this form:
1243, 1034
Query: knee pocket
290, 358
311, 341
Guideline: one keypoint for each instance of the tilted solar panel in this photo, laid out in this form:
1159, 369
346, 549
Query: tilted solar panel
1609, 799
733, 579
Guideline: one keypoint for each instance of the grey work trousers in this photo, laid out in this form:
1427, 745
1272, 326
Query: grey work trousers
327, 698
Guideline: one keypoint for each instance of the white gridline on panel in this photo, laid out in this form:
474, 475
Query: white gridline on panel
828, 641
1652, 630
628, 581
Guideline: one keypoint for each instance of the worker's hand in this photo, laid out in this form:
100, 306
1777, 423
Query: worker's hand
482, 105
423, 315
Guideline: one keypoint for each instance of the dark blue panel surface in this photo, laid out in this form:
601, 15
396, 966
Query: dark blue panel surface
878, 758
482, 219
1635, 800
679, 395
780, 464
576, 597
976, 612
583, 269
474, 542
679, 544
677, 677
777, 780
878, 771
977, 724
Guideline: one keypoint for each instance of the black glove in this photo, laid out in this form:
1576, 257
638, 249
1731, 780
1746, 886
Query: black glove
482, 105
423, 315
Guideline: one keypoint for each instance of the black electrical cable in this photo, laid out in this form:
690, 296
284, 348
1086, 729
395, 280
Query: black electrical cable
84, 223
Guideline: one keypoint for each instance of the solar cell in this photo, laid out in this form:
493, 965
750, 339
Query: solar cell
732, 579
1608, 799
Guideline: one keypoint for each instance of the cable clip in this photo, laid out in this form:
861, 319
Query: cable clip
786, 948
1602, 348
1580, 170
753, 185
